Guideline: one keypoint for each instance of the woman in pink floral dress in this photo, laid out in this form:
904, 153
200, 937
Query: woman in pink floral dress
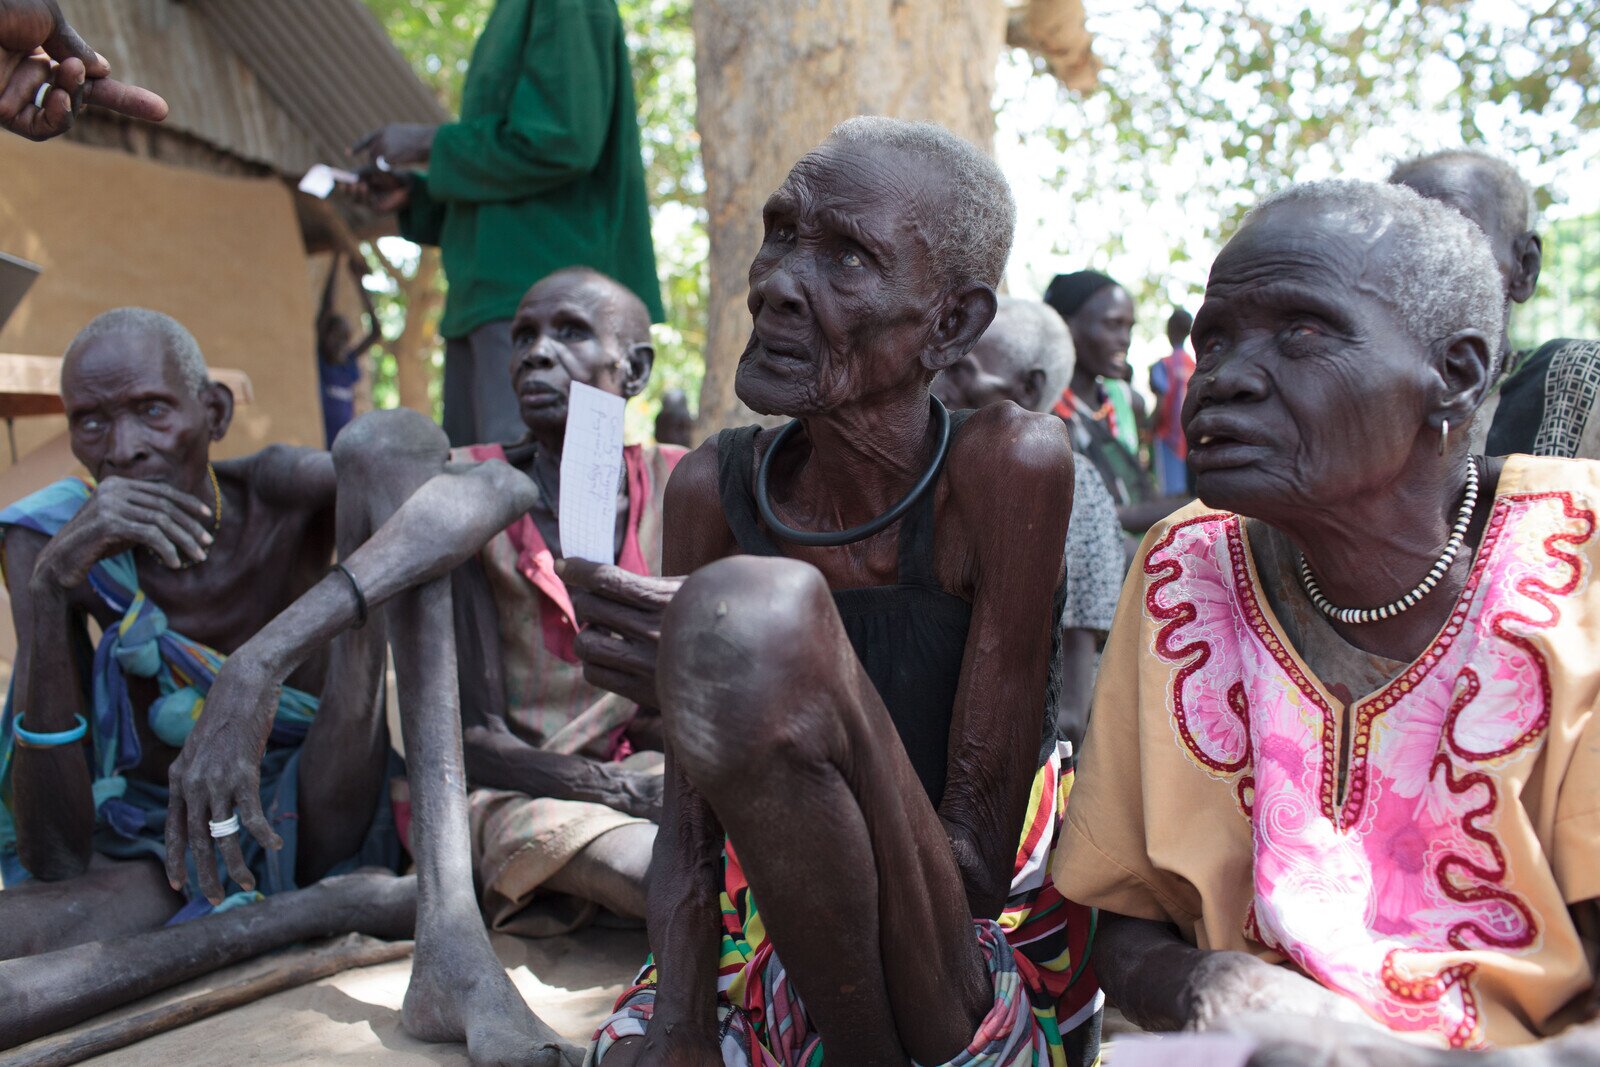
1344, 762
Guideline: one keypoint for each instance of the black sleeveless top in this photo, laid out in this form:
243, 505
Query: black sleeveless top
910, 637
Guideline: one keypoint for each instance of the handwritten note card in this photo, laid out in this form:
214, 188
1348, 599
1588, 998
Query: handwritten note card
591, 465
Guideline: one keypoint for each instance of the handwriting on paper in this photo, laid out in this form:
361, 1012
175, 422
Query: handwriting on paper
591, 466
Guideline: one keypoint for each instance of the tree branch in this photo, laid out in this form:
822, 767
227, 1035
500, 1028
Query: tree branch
1055, 31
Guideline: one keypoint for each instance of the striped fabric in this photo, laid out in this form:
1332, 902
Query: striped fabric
1037, 953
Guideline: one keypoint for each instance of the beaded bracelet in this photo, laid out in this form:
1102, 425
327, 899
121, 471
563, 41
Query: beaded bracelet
29, 739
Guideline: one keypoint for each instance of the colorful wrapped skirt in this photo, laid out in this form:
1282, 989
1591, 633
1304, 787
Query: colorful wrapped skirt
1046, 1010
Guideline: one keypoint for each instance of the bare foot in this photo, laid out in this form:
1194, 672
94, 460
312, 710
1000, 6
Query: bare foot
462, 994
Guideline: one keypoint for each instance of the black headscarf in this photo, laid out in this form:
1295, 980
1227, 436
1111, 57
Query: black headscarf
1069, 292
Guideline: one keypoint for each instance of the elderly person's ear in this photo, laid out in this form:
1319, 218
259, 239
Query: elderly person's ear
1033, 388
218, 402
1464, 366
1529, 253
965, 314
640, 360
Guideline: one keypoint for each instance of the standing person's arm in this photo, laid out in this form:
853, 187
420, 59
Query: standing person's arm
552, 131
326, 305
358, 269
555, 126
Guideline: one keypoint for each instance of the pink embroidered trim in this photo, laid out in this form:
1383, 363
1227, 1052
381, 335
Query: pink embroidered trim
1175, 619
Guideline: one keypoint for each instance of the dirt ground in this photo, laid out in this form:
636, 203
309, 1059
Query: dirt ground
354, 1018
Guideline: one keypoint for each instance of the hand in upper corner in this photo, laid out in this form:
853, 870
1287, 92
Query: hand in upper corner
39, 48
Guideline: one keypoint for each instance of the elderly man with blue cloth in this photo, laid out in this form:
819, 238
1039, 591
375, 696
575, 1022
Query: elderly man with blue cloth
177, 561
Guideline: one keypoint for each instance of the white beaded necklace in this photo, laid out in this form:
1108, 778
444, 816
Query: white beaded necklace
1458, 535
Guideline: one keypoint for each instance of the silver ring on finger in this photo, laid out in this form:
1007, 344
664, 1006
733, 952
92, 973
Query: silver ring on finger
40, 96
225, 827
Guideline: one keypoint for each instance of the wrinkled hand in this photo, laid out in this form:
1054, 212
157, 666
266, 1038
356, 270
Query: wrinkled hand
121, 514
1300, 1042
399, 144
38, 46
621, 613
219, 773
1228, 985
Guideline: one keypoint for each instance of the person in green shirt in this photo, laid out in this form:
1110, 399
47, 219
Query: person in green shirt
541, 171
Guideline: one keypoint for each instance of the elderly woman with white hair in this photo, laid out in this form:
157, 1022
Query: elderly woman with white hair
1345, 761
1026, 356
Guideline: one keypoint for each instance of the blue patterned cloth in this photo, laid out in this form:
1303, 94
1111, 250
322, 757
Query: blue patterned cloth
131, 813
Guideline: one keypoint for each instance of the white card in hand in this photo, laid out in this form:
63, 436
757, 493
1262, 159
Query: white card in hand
1191, 1050
321, 178
591, 465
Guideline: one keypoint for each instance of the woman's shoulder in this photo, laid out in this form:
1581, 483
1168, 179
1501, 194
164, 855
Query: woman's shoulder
1524, 474
1004, 441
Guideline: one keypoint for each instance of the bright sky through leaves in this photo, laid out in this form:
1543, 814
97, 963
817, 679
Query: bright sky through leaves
1206, 105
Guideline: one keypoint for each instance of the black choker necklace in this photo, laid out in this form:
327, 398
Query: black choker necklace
825, 539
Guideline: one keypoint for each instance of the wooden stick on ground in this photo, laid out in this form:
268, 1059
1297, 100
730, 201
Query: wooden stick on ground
295, 968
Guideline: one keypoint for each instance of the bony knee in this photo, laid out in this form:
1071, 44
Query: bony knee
378, 438
762, 590
512, 491
744, 615
738, 643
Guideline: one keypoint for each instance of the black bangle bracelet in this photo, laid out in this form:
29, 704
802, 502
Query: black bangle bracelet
361, 599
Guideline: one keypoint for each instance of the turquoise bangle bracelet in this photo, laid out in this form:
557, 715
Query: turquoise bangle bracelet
30, 739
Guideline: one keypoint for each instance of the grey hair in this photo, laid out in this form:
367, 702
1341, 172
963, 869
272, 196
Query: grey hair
178, 343
1513, 196
971, 237
1440, 274
1040, 339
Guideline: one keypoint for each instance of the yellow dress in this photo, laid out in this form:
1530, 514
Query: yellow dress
1434, 881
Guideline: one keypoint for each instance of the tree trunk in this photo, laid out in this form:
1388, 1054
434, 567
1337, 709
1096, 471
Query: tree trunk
412, 348
773, 79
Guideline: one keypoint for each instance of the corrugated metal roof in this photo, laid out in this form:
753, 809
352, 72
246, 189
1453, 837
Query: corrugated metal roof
327, 64
215, 98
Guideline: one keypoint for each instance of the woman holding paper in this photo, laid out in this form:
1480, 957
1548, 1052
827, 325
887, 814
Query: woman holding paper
855, 675
559, 808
